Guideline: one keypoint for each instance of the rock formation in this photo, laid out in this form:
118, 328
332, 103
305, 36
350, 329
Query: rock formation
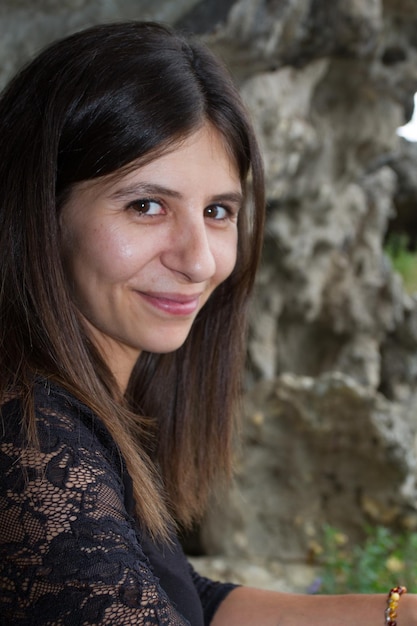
316, 450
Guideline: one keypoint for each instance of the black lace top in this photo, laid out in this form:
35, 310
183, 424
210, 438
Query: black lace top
70, 550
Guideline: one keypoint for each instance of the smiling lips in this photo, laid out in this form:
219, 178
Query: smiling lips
172, 303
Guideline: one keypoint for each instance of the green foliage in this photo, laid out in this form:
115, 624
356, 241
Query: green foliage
384, 560
403, 260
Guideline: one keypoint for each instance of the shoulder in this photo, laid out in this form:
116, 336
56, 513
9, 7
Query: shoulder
74, 456
55, 409
65, 427
64, 509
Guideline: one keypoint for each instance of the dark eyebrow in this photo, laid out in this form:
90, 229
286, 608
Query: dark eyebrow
147, 189
151, 189
233, 196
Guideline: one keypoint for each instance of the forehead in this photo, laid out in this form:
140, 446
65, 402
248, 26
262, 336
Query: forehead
206, 147
201, 161
205, 137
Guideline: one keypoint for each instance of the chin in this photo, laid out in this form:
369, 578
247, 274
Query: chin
159, 347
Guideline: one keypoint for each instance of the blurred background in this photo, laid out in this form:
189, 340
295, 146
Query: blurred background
325, 492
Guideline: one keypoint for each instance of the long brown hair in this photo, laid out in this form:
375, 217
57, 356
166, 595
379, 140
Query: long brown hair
86, 107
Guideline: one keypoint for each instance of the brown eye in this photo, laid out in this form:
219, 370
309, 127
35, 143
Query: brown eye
216, 212
146, 206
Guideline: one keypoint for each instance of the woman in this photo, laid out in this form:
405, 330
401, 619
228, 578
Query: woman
129, 243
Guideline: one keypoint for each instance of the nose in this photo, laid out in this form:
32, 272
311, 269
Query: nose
189, 251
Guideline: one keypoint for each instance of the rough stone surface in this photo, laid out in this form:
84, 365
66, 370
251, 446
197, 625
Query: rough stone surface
317, 450
260, 34
26, 26
330, 412
263, 574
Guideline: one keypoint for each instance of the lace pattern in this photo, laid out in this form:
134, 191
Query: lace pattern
69, 551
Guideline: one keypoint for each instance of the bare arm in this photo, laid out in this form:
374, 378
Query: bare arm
245, 606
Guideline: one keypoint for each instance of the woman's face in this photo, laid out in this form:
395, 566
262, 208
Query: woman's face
143, 252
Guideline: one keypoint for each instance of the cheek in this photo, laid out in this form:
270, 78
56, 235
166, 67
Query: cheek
105, 253
226, 254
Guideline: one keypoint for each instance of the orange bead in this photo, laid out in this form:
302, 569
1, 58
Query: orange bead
393, 600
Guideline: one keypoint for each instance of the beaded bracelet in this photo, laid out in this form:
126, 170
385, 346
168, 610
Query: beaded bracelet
392, 605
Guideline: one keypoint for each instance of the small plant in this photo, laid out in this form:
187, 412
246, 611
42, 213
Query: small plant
384, 560
404, 260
